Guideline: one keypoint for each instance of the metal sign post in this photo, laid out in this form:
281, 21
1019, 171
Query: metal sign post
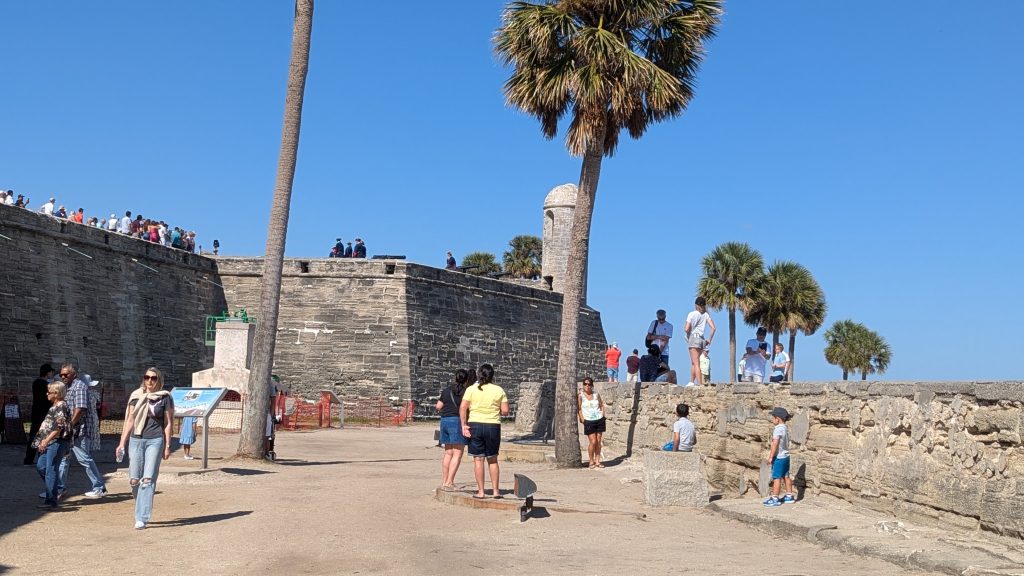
198, 403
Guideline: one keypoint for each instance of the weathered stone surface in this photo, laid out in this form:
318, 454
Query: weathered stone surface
536, 408
923, 453
800, 426
674, 479
1000, 391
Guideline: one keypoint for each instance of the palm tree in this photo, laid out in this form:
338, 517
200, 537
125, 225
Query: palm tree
854, 348
787, 297
250, 442
481, 263
612, 66
523, 258
730, 272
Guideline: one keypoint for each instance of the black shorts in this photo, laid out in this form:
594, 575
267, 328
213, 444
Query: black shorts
593, 426
484, 439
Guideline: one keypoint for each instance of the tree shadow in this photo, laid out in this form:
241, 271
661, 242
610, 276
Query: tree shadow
199, 519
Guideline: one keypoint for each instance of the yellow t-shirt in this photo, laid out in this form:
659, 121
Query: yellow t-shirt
485, 405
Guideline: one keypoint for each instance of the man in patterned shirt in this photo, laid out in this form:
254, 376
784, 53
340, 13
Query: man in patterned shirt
83, 421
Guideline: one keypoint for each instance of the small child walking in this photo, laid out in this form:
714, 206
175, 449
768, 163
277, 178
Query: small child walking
187, 436
778, 458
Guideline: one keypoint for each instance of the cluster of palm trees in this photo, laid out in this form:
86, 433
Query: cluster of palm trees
855, 348
783, 298
521, 260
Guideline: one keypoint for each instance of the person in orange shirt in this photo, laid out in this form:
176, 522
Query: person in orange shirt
611, 356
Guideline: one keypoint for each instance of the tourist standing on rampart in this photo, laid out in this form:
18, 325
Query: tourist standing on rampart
48, 207
51, 441
481, 410
611, 357
348, 250
632, 366
697, 323
755, 357
147, 421
40, 407
84, 422
660, 332
360, 249
451, 433
590, 411
780, 363
705, 366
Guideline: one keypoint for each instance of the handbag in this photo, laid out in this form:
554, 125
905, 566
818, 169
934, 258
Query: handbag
647, 339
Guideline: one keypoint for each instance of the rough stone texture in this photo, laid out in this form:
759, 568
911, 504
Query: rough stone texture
674, 479
368, 328
927, 453
559, 211
383, 328
536, 413
111, 304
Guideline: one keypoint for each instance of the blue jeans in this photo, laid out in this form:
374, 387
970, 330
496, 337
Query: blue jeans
80, 447
48, 466
144, 456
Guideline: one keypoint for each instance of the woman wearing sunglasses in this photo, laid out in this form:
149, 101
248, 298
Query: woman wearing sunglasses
147, 421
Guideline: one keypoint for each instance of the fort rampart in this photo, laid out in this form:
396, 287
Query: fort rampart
115, 305
944, 452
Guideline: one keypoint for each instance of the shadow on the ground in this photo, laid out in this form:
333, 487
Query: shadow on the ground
614, 461
106, 499
200, 519
246, 471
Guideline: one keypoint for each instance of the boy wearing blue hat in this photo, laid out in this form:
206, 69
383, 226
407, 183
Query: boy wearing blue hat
778, 458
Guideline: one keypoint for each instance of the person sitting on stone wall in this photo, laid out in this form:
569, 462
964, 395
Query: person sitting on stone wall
649, 363
666, 374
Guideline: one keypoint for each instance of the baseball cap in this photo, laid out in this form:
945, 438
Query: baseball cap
780, 412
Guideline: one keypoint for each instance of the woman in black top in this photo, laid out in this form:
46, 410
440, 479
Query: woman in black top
148, 421
451, 433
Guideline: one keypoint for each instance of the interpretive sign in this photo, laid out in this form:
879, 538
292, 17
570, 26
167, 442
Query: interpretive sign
198, 403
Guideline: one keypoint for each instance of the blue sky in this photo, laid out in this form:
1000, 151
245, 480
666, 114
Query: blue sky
878, 147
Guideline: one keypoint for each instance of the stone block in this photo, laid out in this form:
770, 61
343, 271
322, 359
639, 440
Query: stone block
806, 388
799, 428
900, 389
675, 479
946, 388
993, 419
748, 388
1000, 391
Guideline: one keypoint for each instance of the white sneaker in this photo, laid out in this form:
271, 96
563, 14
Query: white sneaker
190, 457
689, 384
139, 525
96, 493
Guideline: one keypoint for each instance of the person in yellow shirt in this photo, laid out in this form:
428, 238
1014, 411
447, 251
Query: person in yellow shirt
480, 413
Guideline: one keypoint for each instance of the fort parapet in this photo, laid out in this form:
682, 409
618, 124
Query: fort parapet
115, 305
944, 452
395, 328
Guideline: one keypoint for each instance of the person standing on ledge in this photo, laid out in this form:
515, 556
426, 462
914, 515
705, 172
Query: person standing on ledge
632, 366
697, 321
480, 412
611, 356
660, 332
360, 249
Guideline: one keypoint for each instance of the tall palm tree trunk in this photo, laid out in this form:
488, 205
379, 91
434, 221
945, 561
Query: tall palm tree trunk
792, 354
250, 443
567, 443
732, 344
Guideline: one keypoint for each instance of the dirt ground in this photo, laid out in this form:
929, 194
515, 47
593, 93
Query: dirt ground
360, 501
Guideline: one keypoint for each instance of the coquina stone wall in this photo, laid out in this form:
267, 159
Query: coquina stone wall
396, 329
111, 304
947, 452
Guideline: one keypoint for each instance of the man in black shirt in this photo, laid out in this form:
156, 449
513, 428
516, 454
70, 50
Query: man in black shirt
40, 406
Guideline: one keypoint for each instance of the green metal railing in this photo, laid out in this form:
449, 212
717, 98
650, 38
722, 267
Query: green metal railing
210, 331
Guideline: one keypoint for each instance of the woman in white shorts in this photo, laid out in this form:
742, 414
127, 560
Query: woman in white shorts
697, 322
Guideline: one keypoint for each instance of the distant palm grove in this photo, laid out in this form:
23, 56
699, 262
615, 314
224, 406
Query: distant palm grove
784, 298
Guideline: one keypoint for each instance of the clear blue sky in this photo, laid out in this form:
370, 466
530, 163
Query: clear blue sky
878, 146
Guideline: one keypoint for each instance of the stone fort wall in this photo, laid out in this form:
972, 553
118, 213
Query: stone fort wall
113, 305
944, 452
392, 328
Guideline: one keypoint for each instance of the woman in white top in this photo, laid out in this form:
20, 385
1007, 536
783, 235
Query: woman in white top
590, 410
696, 323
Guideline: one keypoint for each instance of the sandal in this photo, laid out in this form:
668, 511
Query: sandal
599, 465
479, 497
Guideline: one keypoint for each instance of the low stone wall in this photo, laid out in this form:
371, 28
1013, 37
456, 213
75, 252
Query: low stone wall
940, 452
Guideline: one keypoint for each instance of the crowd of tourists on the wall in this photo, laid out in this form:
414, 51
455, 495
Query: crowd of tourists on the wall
66, 424
156, 231
342, 249
759, 363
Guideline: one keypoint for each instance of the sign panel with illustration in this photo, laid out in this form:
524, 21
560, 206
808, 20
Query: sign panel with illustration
197, 402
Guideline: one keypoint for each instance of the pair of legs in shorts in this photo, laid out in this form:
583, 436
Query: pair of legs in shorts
454, 445
484, 441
